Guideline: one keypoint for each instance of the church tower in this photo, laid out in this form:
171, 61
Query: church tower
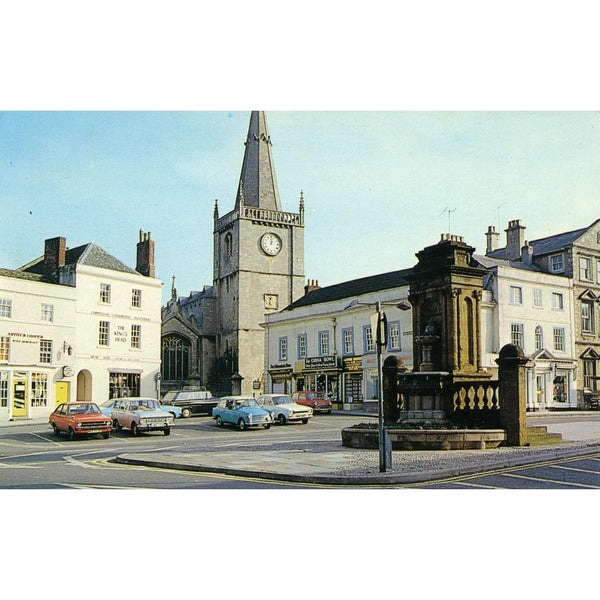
258, 265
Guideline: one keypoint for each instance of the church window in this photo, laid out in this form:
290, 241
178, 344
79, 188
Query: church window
175, 358
228, 244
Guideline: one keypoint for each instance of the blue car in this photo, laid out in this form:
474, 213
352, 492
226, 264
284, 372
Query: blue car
107, 407
242, 412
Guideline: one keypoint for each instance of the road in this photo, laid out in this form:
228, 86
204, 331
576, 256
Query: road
32, 457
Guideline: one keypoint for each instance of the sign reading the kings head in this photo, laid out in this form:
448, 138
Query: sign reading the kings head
320, 362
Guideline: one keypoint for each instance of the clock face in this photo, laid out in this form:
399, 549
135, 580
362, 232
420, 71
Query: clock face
271, 244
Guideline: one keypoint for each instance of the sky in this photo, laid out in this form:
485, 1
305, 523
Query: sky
378, 185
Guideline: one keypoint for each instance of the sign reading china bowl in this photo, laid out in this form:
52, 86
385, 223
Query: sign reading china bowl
320, 362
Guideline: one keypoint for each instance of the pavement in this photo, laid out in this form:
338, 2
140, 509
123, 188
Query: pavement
334, 465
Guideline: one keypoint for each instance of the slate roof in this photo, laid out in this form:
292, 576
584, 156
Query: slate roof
352, 288
88, 254
546, 245
488, 262
21, 275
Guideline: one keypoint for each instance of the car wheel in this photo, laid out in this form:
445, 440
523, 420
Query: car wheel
281, 419
56, 429
305, 421
268, 426
106, 435
186, 413
241, 425
134, 428
72, 435
219, 421
167, 431
117, 425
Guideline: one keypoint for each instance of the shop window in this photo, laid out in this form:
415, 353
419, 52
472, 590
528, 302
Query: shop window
136, 298
123, 385
302, 347
105, 293
48, 312
46, 351
3, 389
103, 333
5, 308
136, 336
4, 348
559, 339
39, 389
559, 389
348, 341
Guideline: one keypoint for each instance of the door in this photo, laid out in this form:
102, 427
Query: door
19, 398
62, 392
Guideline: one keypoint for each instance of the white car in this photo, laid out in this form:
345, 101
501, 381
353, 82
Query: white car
284, 409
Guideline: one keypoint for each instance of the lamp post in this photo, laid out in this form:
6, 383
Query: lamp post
379, 331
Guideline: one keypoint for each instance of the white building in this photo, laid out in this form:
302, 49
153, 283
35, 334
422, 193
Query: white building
319, 343
77, 325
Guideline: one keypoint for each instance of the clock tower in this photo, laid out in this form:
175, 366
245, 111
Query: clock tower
258, 265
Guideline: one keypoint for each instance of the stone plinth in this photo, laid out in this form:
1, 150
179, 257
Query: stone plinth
424, 397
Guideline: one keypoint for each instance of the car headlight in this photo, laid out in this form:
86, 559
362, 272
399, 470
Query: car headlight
250, 418
143, 421
79, 425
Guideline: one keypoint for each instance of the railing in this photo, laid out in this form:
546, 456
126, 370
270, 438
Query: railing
272, 216
475, 403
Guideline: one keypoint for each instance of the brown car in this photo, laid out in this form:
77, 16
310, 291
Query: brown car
79, 418
316, 400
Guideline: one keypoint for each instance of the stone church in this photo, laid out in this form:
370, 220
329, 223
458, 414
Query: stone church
215, 338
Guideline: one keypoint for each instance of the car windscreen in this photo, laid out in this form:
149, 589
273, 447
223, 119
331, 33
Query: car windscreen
282, 400
81, 409
250, 403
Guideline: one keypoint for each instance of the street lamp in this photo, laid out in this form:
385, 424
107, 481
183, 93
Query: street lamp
379, 330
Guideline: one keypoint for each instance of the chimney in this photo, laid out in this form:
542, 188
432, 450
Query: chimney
54, 256
492, 239
145, 255
527, 253
313, 284
515, 239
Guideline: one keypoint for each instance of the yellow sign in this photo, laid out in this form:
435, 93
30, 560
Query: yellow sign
19, 399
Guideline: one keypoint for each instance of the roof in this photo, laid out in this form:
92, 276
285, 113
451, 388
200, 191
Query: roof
88, 254
489, 262
352, 288
553, 243
21, 275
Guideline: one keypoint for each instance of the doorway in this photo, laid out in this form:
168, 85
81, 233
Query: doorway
62, 392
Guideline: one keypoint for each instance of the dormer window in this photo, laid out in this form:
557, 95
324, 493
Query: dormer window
557, 263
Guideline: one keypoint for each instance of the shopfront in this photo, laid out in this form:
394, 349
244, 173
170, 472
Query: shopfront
321, 374
281, 378
353, 380
550, 384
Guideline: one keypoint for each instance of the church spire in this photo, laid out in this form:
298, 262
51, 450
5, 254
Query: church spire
258, 185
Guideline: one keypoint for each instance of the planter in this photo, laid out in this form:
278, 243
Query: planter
426, 439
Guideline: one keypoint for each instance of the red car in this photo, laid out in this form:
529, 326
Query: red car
316, 400
78, 418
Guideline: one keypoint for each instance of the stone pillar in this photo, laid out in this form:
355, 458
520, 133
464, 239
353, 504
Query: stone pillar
512, 394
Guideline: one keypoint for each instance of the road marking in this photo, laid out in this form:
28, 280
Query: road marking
5, 466
593, 487
579, 469
78, 463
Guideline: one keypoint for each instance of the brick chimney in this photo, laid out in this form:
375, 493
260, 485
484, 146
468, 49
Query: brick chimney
515, 239
54, 256
492, 239
312, 284
145, 255
527, 253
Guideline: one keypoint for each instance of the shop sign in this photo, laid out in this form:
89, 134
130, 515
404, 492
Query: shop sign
67, 371
320, 362
25, 338
352, 364
120, 334
282, 366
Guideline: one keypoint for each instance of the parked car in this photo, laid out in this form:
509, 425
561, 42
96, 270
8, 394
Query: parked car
78, 418
141, 414
316, 400
107, 408
241, 411
191, 402
284, 409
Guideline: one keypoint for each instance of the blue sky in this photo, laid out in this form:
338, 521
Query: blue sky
376, 183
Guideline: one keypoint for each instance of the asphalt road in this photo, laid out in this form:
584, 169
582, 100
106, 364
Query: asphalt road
32, 457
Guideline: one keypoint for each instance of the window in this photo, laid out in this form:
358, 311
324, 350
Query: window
3, 389
283, 349
589, 374
556, 263
175, 358
598, 271
4, 348
537, 298
46, 351
557, 301
5, 308
228, 244
559, 339
136, 298
516, 334
48, 312
539, 338
136, 336
323, 343
516, 295
39, 389
103, 332
302, 345
587, 317
394, 335
348, 341
585, 269
369, 343
105, 293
